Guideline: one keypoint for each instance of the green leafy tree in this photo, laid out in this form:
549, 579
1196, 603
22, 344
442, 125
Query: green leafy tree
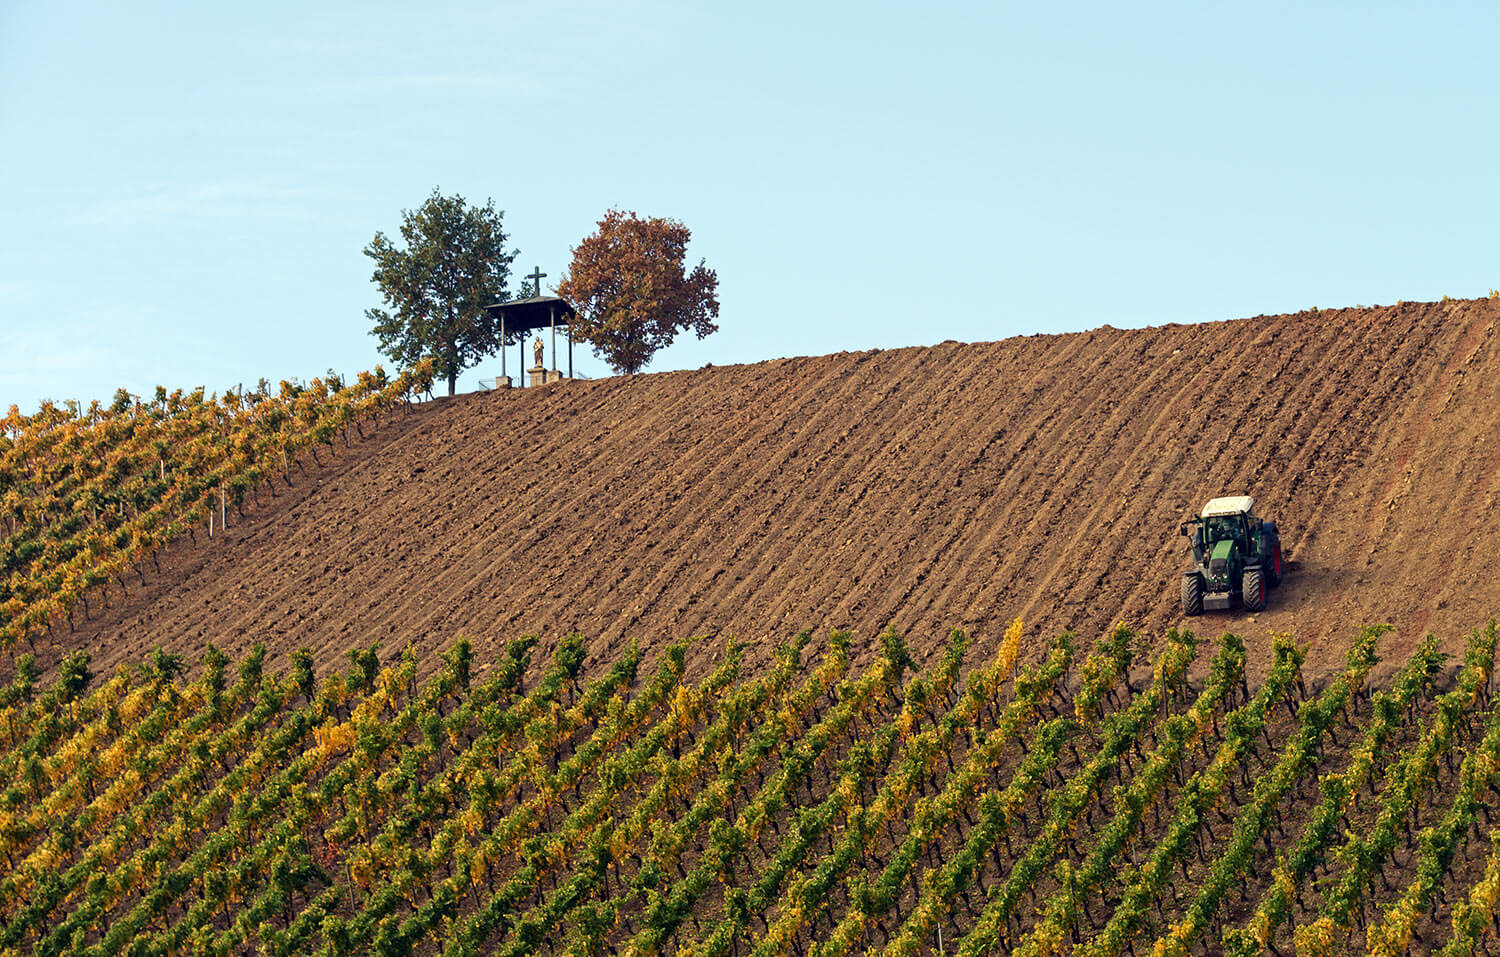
453, 265
632, 291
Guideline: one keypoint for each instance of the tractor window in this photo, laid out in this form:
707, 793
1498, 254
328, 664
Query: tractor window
1219, 528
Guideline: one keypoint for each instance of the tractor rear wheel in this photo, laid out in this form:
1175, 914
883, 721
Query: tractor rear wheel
1274, 578
1253, 590
1192, 594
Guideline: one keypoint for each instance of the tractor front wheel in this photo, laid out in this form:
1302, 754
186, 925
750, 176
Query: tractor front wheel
1192, 594
1253, 590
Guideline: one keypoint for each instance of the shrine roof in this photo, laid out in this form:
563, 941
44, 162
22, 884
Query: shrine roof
535, 312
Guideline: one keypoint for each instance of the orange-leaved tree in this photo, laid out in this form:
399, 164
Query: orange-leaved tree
632, 291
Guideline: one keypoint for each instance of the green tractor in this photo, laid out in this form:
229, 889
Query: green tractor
1236, 554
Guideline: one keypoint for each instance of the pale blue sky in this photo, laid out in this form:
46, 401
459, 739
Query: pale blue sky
188, 186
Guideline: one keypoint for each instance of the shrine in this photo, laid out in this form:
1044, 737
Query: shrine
529, 315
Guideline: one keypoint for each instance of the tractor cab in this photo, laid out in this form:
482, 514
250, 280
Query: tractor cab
1211, 531
1236, 555
1222, 520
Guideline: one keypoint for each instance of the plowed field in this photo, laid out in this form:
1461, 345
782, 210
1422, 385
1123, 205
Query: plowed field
927, 488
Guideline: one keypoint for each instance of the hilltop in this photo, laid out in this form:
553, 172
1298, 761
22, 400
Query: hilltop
962, 485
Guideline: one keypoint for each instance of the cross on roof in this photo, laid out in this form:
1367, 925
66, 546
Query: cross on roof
536, 278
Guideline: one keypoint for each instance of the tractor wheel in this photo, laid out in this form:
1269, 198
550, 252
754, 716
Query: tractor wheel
1192, 594
1253, 590
1272, 560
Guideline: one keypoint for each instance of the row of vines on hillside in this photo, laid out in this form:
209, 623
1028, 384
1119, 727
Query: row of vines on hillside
1098, 801
89, 496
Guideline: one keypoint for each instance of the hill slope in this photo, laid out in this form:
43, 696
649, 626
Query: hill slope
926, 488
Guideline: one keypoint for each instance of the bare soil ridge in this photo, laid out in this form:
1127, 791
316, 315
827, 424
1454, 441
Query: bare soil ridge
926, 488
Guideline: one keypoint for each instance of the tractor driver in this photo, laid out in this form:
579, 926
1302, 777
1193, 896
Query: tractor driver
1225, 527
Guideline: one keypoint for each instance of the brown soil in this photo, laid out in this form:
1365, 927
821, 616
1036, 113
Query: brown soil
963, 486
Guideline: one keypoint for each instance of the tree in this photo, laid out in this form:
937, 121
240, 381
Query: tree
632, 293
455, 263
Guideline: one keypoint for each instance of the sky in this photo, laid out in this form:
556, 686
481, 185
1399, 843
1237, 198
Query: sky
188, 187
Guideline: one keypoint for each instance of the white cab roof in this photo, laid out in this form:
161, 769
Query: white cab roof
1228, 505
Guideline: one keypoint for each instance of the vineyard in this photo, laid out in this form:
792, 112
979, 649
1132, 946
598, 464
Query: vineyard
313, 758
1089, 800
956, 486
89, 496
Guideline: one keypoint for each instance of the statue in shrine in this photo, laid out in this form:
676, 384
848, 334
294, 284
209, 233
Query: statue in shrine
538, 348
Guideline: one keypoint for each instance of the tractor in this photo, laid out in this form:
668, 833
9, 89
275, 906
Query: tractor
1236, 555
